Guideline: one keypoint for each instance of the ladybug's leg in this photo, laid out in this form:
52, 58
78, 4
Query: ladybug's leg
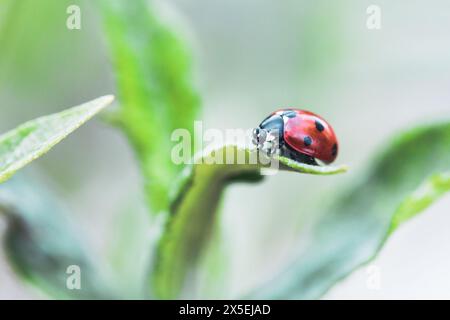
265, 140
259, 137
288, 152
272, 127
273, 142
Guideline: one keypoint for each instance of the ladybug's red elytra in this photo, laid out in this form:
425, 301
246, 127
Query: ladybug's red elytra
297, 134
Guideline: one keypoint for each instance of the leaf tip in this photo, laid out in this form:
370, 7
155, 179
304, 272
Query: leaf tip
107, 99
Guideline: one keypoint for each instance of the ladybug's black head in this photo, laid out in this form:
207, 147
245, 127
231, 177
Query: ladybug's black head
269, 135
274, 124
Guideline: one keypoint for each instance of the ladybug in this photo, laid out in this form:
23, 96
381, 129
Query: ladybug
299, 135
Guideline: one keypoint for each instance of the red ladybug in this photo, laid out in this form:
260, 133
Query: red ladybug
297, 134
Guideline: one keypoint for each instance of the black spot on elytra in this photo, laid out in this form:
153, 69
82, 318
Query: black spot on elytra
334, 150
307, 140
319, 126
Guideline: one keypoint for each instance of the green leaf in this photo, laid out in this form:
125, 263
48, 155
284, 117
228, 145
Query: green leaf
195, 204
156, 97
39, 241
32, 139
422, 198
41, 244
407, 177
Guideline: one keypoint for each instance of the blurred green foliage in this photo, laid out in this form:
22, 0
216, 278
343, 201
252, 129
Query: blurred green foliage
193, 213
156, 95
29, 41
406, 177
322, 44
41, 243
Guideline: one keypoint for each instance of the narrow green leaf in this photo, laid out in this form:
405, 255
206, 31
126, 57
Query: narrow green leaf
422, 198
194, 208
32, 139
156, 97
42, 245
406, 178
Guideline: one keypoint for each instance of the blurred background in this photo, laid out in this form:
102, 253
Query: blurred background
251, 57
